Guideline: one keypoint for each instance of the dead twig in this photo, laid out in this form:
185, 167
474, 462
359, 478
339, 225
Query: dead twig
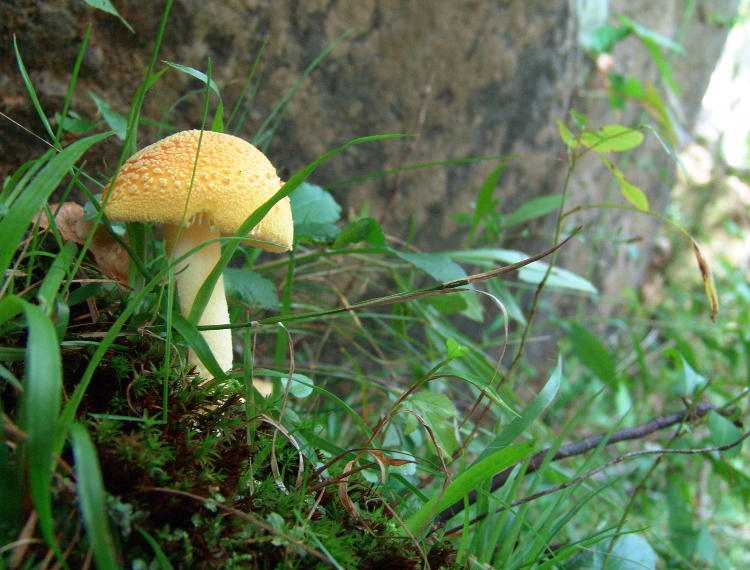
584, 445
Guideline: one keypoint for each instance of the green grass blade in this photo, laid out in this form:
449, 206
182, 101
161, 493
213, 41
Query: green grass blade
467, 482
106, 6
535, 408
92, 498
15, 224
195, 341
40, 406
31, 91
55, 275
161, 558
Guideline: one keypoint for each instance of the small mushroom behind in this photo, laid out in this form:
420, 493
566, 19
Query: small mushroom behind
200, 194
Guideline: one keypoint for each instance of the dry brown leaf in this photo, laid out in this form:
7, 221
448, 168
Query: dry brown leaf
109, 255
381, 458
708, 279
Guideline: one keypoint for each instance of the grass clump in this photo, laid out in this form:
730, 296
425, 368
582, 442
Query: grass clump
405, 426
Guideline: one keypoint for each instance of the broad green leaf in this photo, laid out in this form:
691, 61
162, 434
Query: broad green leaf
536, 407
439, 266
455, 350
485, 203
20, 213
632, 552
466, 482
606, 37
106, 6
724, 432
251, 288
75, 124
117, 122
567, 137
705, 548
634, 195
315, 211
447, 304
682, 532
363, 230
302, 386
437, 411
592, 352
532, 273
689, 381
658, 39
92, 498
535, 208
612, 138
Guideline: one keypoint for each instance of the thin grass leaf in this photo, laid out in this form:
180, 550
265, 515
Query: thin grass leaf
15, 224
161, 558
198, 344
530, 413
467, 482
55, 274
40, 405
106, 6
218, 123
535, 208
31, 91
92, 498
116, 121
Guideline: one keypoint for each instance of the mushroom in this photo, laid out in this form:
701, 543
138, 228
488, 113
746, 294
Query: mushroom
200, 193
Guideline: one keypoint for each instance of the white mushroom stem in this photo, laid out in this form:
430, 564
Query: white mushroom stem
190, 274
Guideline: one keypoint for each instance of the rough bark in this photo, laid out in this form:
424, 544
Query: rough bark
474, 78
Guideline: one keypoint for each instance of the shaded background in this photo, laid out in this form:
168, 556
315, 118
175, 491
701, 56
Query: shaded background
473, 78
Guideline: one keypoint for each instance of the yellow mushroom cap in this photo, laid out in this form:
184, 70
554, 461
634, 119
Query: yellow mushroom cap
232, 179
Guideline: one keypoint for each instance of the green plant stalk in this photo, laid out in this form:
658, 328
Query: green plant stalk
286, 305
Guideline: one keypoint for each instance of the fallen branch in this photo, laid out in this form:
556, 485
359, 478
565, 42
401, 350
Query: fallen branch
580, 447
615, 461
